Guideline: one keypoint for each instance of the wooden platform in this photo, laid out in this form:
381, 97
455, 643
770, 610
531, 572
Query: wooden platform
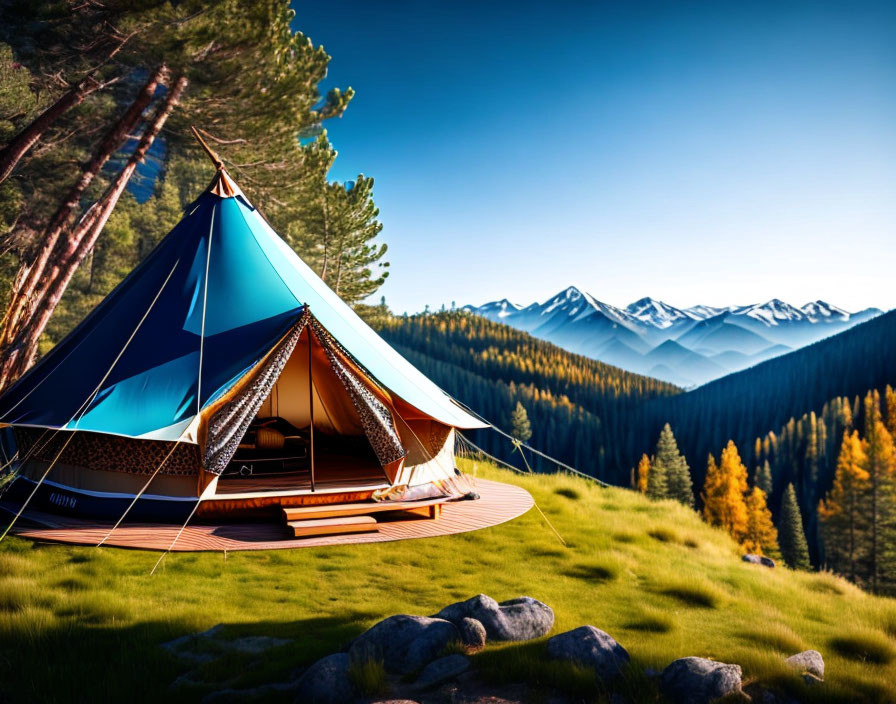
428, 509
498, 503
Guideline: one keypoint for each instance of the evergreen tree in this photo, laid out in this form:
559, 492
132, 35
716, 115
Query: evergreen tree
760, 536
657, 481
724, 504
890, 404
643, 474
881, 465
842, 512
763, 478
519, 423
672, 463
791, 537
235, 67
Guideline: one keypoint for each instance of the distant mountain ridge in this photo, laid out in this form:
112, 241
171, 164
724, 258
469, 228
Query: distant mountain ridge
685, 346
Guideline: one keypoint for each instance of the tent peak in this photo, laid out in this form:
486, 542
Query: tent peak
222, 185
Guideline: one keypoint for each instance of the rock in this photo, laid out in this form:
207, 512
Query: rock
810, 680
590, 647
808, 661
472, 633
517, 619
441, 670
758, 560
326, 682
699, 681
405, 643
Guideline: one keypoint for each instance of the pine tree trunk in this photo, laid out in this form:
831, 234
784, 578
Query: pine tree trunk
874, 529
32, 272
24, 297
79, 243
19, 146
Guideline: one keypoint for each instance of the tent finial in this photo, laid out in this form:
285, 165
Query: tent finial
216, 160
222, 185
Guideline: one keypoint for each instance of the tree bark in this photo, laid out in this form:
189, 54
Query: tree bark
31, 272
83, 237
13, 152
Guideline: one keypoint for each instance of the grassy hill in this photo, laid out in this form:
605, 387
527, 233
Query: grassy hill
81, 624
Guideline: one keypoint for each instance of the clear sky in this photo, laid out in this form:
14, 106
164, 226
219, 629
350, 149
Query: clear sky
715, 152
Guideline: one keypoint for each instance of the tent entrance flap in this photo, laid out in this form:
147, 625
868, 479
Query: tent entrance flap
355, 443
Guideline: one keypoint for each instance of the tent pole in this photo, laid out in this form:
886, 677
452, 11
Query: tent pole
311, 407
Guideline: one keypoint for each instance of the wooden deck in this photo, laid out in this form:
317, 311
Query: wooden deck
498, 503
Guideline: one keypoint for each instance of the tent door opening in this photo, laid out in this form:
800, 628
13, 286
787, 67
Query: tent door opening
307, 436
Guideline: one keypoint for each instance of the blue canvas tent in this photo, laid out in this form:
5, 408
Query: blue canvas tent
191, 347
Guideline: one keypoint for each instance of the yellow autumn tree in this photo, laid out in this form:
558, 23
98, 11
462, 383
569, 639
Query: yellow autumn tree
761, 536
843, 520
724, 502
643, 473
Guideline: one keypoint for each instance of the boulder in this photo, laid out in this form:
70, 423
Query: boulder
326, 682
699, 681
442, 670
472, 633
517, 619
405, 643
758, 560
590, 647
808, 661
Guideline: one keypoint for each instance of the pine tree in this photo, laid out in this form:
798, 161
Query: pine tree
724, 504
763, 478
519, 423
760, 536
643, 474
675, 467
890, 404
881, 512
791, 536
844, 523
657, 481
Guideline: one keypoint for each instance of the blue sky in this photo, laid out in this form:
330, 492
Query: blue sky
718, 152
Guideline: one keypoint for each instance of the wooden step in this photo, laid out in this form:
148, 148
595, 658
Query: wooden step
426, 509
333, 526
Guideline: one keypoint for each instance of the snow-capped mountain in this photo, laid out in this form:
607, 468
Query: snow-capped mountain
687, 346
657, 313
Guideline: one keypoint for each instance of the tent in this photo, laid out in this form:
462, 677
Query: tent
224, 371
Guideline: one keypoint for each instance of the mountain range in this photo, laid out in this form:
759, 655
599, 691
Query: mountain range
685, 346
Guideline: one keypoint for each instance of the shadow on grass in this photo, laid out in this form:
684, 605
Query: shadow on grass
865, 646
593, 572
527, 662
79, 662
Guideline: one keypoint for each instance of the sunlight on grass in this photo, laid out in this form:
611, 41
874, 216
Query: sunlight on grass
90, 622
369, 677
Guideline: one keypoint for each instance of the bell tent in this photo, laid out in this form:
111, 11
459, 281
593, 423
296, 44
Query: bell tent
223, 371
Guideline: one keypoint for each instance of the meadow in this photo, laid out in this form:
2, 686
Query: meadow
87, 624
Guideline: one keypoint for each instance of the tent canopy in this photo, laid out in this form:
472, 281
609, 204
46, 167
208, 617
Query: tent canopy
210, 301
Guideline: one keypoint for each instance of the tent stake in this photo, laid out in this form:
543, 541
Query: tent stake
311, 407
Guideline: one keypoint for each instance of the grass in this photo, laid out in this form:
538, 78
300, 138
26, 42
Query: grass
369, 677
81, 624
865, 646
